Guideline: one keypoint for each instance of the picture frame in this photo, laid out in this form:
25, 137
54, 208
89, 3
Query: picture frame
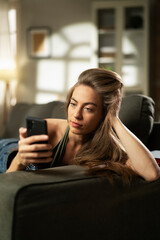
39, 42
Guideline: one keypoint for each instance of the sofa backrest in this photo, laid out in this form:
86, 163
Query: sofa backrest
20, 111
137, 113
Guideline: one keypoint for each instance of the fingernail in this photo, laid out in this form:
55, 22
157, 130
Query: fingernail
45, 137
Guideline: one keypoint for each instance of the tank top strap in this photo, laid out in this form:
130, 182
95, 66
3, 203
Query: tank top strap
59, 150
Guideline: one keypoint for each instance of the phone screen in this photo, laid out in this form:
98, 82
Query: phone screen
36, 126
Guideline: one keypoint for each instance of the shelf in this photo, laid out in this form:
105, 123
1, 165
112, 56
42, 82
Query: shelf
107, 50
106, 31
133, 62
133, 30
106, 60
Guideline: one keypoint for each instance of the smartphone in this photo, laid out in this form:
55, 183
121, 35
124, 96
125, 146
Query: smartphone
36, 126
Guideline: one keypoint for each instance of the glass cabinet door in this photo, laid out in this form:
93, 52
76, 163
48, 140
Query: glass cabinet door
132, 47
122, 29
106, 38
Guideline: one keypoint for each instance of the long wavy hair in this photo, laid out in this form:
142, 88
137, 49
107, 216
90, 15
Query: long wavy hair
103, 153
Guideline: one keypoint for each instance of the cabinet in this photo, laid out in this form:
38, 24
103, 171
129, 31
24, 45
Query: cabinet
120, 41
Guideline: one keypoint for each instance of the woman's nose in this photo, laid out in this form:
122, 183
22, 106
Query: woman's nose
78, 114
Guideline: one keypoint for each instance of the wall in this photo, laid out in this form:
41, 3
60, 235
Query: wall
42, 80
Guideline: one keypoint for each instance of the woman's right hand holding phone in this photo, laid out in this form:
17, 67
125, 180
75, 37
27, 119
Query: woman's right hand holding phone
31, 150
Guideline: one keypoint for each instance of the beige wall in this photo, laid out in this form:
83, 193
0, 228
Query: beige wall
42, 80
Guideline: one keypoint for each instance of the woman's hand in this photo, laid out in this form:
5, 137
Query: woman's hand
115, 108
30, 151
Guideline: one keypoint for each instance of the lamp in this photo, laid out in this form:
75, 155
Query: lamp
6, 75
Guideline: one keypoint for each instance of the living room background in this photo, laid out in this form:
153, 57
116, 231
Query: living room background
71, 24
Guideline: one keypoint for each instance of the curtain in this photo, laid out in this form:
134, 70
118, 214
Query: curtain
6, 59
7, 62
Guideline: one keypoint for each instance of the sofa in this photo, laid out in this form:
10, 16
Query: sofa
66, 203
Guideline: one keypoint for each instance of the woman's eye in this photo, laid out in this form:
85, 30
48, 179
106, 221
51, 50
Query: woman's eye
89, 109
72, 104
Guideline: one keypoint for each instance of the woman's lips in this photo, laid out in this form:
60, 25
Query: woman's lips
76, 125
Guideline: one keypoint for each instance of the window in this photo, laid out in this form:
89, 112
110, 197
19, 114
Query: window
13, 30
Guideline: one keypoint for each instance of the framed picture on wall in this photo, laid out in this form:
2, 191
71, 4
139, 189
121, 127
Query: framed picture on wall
39, 42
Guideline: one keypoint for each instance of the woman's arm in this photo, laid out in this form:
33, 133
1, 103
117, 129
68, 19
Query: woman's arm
140, 158
29, 152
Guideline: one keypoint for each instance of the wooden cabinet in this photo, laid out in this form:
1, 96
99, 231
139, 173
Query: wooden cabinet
120, 41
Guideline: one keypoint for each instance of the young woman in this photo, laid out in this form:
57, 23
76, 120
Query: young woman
92, 136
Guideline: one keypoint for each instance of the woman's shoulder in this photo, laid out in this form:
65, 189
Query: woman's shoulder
56, 122
56, 129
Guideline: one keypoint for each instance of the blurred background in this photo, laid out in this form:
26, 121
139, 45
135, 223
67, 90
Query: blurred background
46, 44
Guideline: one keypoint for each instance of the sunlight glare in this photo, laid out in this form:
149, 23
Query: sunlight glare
51, 76
12, 20
130, 75
42, 97
81, 52
59, 45
78, 68
78, 33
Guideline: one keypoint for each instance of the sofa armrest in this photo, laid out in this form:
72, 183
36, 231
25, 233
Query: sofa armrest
65, 203
154, 139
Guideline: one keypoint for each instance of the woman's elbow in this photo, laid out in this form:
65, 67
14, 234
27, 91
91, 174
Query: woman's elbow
153, 175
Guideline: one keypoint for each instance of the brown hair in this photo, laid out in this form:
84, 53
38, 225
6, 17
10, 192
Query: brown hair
108, 156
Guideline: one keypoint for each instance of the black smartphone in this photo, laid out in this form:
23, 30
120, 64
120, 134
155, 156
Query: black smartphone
36, 126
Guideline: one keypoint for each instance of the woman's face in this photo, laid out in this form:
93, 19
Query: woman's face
85, 110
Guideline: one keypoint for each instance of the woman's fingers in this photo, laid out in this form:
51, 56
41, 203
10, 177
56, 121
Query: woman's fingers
115, 107
31, 139
41, 154
33, 161
34, 139
27, 157
26, 161
34, 147
22, 133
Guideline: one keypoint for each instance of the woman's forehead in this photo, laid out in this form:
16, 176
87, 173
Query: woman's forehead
85, 93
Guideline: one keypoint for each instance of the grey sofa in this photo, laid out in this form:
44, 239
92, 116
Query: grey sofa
65, 203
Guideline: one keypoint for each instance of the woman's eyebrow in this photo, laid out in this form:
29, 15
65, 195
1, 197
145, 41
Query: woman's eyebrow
86, 103
73, 99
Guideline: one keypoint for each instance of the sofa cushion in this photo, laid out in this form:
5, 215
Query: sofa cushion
20, 111
137, 113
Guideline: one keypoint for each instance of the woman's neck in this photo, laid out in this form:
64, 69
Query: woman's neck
78, 140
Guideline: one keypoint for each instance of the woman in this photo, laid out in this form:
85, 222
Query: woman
94, 135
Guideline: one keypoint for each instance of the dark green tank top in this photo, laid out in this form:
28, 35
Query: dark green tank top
59, 150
